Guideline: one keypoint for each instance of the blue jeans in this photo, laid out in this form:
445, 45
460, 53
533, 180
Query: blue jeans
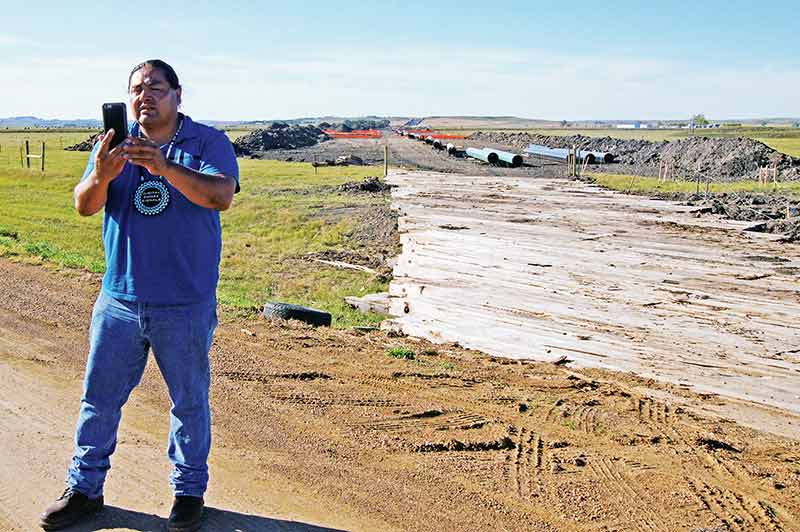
120, 336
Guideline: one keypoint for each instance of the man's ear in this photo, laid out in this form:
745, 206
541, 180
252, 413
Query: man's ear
178, 92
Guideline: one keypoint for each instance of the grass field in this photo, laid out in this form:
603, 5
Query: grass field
783, 139
278, 217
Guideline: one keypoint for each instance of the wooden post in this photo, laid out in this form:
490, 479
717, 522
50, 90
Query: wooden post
316, 164
42, 156
28, 153
385, 160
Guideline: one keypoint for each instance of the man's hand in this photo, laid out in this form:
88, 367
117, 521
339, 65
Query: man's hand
108, 164
146, 153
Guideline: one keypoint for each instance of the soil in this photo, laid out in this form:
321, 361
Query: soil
85, 145
278, 136
321, 426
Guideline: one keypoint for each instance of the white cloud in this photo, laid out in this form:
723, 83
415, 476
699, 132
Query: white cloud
15, 40
414, 80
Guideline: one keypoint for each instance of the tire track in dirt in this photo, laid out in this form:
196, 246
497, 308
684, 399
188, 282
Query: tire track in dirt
429, 419
736, 511
524, 463
626, 494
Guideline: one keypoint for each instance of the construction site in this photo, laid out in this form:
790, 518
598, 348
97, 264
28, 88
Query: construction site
553, 354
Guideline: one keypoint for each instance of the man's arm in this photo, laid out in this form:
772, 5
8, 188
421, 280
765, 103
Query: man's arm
104, 166
210, 187
213, 191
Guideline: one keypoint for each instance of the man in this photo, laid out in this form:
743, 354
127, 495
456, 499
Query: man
162, 190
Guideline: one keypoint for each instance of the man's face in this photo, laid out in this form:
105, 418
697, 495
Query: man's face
153, 101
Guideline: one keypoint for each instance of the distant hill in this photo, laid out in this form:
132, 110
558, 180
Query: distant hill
32, 122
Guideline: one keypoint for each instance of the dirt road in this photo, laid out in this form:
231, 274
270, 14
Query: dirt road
414, 154
321, 430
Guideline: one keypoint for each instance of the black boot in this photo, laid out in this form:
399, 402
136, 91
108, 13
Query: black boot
186, 514
70, 508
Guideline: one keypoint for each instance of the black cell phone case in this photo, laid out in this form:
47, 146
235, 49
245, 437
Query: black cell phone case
115, 117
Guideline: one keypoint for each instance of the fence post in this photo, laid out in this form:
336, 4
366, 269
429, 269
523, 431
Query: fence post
385, 160
42, 156
28, 152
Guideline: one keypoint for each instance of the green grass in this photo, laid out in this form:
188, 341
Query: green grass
640, 184
401, 352
282, 213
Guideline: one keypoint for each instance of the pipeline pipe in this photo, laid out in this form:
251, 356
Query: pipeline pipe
603, 156
511, 159
488, 156
559, 154
438, 144
429, 140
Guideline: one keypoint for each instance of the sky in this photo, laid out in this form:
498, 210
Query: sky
248, 60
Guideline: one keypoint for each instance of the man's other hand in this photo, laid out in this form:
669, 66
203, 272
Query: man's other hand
146, 153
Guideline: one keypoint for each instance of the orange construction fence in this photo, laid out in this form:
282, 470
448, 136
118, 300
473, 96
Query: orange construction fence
355, 134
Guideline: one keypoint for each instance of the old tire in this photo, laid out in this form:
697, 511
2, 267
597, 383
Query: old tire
296, 312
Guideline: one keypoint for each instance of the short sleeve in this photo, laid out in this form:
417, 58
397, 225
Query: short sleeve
218, 157
90, 163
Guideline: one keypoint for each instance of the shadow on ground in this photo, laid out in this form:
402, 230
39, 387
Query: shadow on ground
114, 518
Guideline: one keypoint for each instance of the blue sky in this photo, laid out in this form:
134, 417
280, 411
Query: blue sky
262, 60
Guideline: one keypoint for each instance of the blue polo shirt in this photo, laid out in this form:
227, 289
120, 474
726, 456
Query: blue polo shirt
171, 257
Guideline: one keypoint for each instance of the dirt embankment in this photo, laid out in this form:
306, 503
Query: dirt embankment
721, 159
84, 145
278, 136
449, 440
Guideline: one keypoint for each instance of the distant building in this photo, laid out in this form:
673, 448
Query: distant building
634, 125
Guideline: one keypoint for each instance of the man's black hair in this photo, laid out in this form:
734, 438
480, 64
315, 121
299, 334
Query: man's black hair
169, 72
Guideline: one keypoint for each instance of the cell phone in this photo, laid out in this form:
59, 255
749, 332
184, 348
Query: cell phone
115, 116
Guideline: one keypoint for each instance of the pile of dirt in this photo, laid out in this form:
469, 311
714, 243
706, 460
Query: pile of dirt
350, 125
792, 232
85, 145
370, 185
723, 159
744, 206
279, 136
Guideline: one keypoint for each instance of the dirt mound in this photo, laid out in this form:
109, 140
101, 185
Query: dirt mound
279, 136
792, 233
85, 145
350, 125
745, 206
369, 185
723, 159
